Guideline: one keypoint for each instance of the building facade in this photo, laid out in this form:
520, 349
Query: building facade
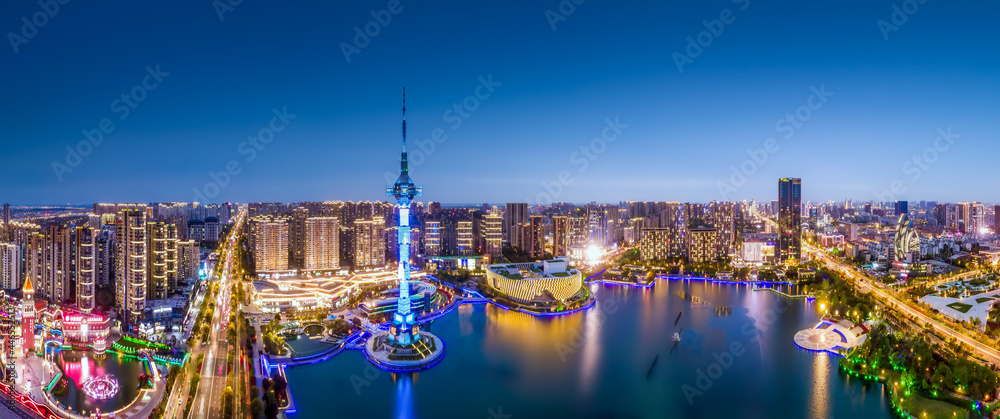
322, 244
789, 220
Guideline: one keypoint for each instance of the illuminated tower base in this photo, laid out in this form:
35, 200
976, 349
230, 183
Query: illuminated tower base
425, 352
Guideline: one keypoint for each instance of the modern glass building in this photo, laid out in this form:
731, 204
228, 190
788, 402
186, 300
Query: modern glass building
789, 220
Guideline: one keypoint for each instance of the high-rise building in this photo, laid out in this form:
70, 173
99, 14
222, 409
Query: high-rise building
212, 229
47, 262
901, 208
789, 220
322, 243
492, 231
270, 243
515, 225
654, 244
464, 238
105, 257
560, 236
996, 219
161, 243
84, 272
432, 237
369, 243
188, 260
196, 230
536, 234
8, 235
10, 266
297, 238
703, 244
977, 217
132, 267
577, 231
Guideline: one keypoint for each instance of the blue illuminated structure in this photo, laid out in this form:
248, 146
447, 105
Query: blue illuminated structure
404, 347
402, 330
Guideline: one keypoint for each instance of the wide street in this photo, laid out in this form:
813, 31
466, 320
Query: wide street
208, 400
888, 299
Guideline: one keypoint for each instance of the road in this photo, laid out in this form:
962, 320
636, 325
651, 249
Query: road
865, 284
207, 402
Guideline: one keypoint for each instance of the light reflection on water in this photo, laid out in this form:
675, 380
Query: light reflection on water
599, 363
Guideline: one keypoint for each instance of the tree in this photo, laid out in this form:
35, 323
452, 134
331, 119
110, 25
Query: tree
256, 407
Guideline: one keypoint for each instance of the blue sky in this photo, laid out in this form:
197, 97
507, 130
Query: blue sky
551, 95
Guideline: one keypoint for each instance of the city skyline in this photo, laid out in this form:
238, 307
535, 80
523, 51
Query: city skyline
330, 113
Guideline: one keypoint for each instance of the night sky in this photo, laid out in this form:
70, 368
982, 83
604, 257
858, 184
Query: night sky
543, 94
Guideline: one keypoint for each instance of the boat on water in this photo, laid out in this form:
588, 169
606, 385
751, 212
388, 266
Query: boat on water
676, 337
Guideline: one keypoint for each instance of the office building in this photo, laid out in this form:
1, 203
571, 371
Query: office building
901, 208
789, 220
515, 225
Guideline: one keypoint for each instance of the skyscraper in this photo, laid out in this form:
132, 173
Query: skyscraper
789, 220
132, 267
901, 208
515, 224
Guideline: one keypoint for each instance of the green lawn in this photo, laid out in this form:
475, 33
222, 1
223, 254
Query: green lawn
981, 300
964, 308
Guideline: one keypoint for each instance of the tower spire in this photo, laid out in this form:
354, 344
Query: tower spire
403, 165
